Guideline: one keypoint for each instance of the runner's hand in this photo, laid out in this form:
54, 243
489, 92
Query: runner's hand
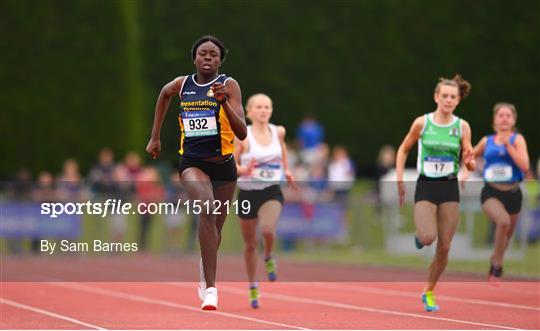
220, 92
468, 159
504, 139
290, 179
154, 148
252, 164
247, 169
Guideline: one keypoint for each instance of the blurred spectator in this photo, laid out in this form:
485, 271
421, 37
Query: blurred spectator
538, 169
149, 190
104, 180
385, 162
292, 156
132, 164
20, 189
317, 190
44, 191
102, 175
309, 135
70, 171
301, 173
174, 222
538, 180
69, 183
321, 154
125, 175
341, 174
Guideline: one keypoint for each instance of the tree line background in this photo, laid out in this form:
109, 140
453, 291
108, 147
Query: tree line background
78, 76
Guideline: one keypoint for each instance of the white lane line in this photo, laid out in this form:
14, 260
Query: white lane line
139, 298
361, 308
409, 294
48, 313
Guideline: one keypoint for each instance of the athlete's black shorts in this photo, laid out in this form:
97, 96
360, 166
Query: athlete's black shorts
257, 198
437, 190
510, 199
220, 173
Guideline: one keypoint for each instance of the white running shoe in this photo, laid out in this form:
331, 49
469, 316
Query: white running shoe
202, 281
210, 299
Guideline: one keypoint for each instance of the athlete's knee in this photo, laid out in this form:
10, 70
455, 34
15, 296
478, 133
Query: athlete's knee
250, 245
504, 224
426, 238
267, 231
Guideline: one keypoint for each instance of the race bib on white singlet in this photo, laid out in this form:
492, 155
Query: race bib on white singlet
266, 173
199, 123
438, 166
499, 173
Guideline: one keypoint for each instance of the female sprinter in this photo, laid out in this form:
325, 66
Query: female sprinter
441, 137
210, 116
506, 160
263, 162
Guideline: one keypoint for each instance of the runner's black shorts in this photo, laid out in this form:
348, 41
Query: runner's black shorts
437, 190
510, 199
220, 173
257, 198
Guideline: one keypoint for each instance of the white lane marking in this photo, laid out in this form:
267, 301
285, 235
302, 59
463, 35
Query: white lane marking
361, 308
48, 313
409, 294
139, 298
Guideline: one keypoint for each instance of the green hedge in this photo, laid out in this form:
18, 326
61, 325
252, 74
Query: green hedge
80, 75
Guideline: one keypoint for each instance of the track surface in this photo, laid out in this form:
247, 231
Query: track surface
310, 297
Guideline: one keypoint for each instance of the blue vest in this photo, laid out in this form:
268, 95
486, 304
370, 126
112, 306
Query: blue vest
499, 166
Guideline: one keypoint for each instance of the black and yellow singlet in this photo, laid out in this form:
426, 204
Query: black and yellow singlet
204, 126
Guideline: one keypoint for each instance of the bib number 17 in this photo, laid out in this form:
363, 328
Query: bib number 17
438, 166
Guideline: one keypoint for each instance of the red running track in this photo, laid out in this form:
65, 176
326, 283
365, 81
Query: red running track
288, 305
